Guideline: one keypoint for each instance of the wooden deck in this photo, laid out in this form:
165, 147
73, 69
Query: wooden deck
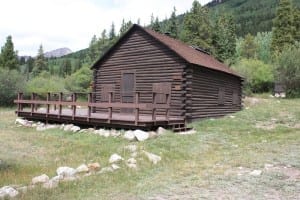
81, 113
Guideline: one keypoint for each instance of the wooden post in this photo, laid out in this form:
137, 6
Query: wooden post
32, 105
74, 99
137, 97
48, 105
20, 97
55, 95
154, 107
109, 108
89, 107
59, 104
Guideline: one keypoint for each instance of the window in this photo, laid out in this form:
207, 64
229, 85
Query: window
221, 96
235, 97
106, 89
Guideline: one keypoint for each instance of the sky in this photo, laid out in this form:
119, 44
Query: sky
72, 23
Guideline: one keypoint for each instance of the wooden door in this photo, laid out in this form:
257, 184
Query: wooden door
127, 89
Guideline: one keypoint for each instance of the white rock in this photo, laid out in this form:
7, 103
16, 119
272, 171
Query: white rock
161, 131
232, 116
66, 172
40, 179
114, 133
94, 166
22, 189
50, 184
70, 178
23, 122
131, 161
129, 135
131, 165
141, 135
256, 173
68, 127
131, 147
115, 167
152, 157
190, 132
8, 191
57, 178
40, 128
105, 170
152, 134
75, 129
268, 166
115, 158
82, 168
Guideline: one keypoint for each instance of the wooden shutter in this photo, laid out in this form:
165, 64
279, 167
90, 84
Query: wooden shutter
235, 97
106, 89
221, 96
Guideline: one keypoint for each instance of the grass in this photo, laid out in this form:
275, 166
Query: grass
204, 165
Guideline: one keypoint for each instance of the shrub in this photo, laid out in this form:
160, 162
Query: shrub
45, 83
259, 77
79, 81
288, 70
11, 82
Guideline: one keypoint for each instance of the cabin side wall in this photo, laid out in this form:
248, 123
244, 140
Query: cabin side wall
151, 62
212, 93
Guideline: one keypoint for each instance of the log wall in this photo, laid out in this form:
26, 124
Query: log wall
152, 63
205, 91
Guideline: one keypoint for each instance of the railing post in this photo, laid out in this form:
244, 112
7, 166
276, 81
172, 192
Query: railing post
48, 105
74, 99
89, 107
137, 97
20, 97
154, 107
109, 107
32, 105
55, 95
59, 104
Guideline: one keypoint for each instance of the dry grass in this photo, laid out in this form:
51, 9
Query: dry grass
212, 164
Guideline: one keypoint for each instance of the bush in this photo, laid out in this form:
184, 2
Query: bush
259, 77
79, 81
11, 82
288, 70
45, 83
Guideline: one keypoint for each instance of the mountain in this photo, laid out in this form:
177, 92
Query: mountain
58, 53
251, 16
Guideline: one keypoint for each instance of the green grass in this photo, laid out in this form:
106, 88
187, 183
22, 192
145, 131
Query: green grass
193, 166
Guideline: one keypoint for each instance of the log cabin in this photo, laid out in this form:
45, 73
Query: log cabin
147, 79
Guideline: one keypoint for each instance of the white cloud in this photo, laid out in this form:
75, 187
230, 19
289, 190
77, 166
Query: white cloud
72, 23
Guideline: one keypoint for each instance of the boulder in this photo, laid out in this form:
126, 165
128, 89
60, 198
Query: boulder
131, 165
152, 134
131, 147
256, 173
115, 158
152, 157
65, 172
40, 128
68, 127
141, 135
102, 132
115, 167
75, 129
190, 132
50, 184
8, 191
82, 168
23, 122
105, 170
129, 135
93, 166
40, 179
161, 131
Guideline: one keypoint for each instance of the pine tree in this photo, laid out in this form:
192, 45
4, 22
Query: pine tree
224, 38
297, 24
93, 49
152, 20
156, 25
173, 25
248, 47
112, 33
283, 26
40, 64
67, 67
197, 27
8, 57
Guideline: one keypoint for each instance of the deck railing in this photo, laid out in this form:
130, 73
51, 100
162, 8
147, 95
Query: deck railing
57, 101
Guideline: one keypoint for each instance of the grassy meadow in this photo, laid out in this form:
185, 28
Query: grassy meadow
214, 163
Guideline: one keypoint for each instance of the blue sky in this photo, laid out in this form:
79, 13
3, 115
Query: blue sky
72, 23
